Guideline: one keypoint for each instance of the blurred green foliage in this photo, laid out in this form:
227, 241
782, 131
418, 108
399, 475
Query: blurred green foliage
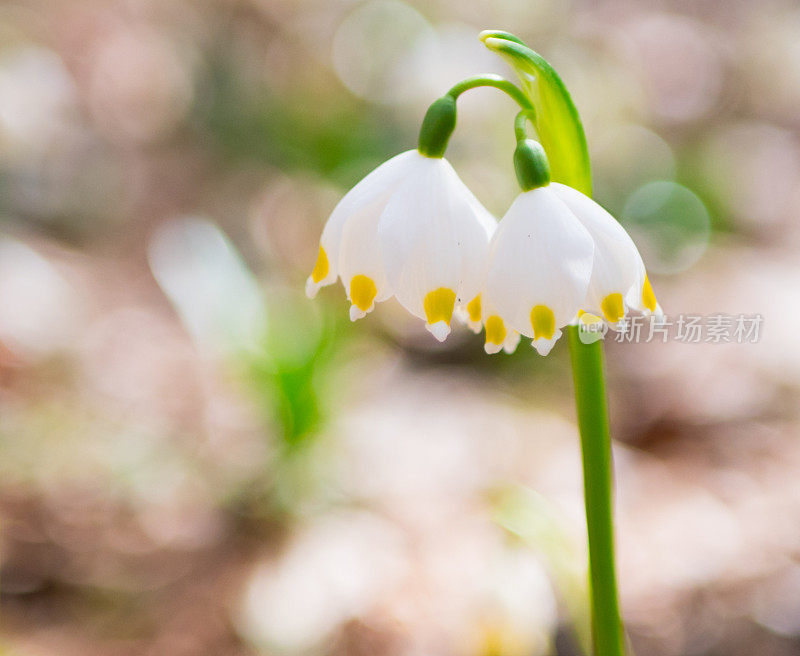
338, 138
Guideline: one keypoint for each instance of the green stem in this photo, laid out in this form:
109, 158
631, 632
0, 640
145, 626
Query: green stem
492, 80
521, 124
590, 398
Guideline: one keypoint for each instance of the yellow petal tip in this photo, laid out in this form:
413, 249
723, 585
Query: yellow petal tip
495, 332
613, 308
543, 322
439, 305
321, 267
648, 296
363, 292
474, 309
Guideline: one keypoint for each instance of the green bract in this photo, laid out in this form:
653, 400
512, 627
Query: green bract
557, 121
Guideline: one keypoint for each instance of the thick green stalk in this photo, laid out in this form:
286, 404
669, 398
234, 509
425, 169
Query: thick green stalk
598, 478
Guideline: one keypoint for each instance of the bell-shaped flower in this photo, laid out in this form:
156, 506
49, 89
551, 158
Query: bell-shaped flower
555, 255
411, 229
540, 263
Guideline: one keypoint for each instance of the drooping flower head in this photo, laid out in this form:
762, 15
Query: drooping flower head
557, 254
410, 229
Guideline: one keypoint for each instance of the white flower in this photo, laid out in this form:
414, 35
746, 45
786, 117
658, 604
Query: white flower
557, 254
540, 263
411, 229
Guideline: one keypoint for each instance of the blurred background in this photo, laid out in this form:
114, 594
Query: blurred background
195, 459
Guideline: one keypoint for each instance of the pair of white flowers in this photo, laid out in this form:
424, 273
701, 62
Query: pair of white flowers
413, 230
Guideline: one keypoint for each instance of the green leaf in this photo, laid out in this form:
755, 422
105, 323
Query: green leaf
557, 121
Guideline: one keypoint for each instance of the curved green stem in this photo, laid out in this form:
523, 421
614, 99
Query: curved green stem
521, 124
440, 119
492, 80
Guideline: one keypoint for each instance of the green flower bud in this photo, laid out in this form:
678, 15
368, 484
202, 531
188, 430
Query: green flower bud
437, 126
530, 164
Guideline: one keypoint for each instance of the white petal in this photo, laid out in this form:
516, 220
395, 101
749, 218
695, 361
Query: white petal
474, 326
434, 235
512, 341
313, 287
540, 255
356, 313
618, 267
544, 346
439, 329
486, 219
368, 196
491, 348
462, 315
360, 252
